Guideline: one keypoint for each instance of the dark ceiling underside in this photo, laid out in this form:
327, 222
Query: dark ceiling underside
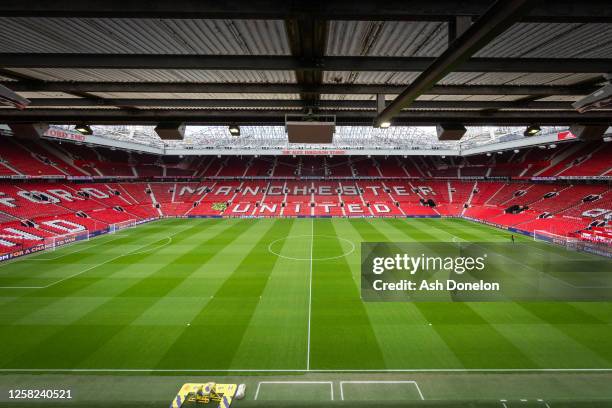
255, 61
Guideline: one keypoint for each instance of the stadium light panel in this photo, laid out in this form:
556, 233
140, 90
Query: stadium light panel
83, 129
234, 130
532, 130
170, 130
450, 131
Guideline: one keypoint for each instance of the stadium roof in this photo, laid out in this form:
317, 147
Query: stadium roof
350, 139
251, 62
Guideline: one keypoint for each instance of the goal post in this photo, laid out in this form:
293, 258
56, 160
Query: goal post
120, 226
551, 237
59, 240
573, 243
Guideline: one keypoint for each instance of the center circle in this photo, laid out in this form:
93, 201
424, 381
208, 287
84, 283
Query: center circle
300, 247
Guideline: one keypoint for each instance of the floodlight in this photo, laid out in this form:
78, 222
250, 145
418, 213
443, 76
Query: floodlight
234, 130
532, 130
83, 129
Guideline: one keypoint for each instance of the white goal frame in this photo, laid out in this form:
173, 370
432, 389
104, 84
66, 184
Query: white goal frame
112, 228
574, 244
551, 237
60, 240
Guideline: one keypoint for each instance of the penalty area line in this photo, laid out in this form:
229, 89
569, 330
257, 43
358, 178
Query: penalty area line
330, 383
84, 248
35, 256
132, 252
380, 382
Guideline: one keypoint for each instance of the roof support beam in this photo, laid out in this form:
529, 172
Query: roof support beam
290, 103
439, 10
291, 63
268, 116
21, 77
307, 37
189, 87
458, 26
495, 21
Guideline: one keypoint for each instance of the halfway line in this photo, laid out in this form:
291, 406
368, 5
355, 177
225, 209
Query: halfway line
310, 292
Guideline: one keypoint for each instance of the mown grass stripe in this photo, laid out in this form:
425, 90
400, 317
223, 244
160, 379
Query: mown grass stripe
413, 230
576, 324
26, 269
341, 330
283, 303
111, 316
541, 341
141, 321
393, 322
33, 300
220, 326
184, 300
475, 232
448, 318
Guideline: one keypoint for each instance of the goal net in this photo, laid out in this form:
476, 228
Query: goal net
597, 248
551, 237
573, 243
65, 239
121, 225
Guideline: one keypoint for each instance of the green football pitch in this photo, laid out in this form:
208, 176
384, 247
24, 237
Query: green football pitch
129, 317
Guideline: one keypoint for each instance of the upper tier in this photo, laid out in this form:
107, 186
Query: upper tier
44, 158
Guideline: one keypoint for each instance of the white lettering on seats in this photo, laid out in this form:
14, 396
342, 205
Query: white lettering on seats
16, 235
223, 190
29, 195
7, 201
381, 208
63, 194
64, 225
237, 208
596, 212
94, 192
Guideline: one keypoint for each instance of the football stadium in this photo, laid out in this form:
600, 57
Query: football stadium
273, 203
